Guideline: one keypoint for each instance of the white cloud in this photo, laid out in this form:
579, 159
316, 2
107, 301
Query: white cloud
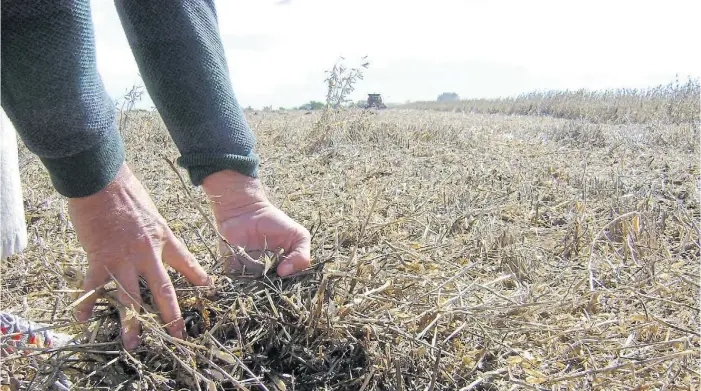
277, 53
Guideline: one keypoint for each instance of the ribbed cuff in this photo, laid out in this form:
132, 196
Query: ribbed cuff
201, 165
89, 171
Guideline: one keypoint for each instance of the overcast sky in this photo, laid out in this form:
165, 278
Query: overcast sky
278, 50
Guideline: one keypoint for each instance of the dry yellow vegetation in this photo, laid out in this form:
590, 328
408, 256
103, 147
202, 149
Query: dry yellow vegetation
452, 251
676, 102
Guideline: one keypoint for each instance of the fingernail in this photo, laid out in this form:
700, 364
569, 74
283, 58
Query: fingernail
131, 343
129, 340
285, 269
177, 333
82, 316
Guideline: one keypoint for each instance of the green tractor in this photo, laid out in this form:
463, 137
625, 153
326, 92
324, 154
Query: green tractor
375, 100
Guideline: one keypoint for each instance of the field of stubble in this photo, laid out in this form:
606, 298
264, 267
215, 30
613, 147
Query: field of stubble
453, 252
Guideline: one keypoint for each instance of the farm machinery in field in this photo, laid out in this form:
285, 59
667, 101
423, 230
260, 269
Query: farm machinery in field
375, 100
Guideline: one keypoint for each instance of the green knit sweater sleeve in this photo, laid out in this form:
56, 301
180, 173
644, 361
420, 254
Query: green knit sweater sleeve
53, 94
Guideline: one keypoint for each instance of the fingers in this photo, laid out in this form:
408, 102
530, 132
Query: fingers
95, 277
236, 263
164, 295
129, 295
179, 258
299, 257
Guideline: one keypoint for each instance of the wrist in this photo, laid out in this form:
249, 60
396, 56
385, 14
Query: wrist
89, 171
231, 192
123, 179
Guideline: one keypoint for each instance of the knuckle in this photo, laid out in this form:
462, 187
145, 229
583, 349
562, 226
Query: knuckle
152, 235
189, 261
166, 290
152, 240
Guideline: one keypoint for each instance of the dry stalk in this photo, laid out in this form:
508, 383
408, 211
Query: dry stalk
596, 238
361, 235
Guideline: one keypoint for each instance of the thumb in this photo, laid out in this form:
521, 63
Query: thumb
298, 259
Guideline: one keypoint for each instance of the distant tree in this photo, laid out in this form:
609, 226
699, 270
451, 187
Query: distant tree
361, 103
312, 105
448, 97
282, 108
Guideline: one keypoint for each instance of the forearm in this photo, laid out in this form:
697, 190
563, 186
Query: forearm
182, 62
53, 94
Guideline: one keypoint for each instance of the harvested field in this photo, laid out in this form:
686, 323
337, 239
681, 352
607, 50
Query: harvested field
452, 251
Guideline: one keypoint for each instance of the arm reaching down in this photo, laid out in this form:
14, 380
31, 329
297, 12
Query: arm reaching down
53, 94
181, 58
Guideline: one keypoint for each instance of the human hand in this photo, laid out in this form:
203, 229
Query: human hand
246, 218
124, 236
